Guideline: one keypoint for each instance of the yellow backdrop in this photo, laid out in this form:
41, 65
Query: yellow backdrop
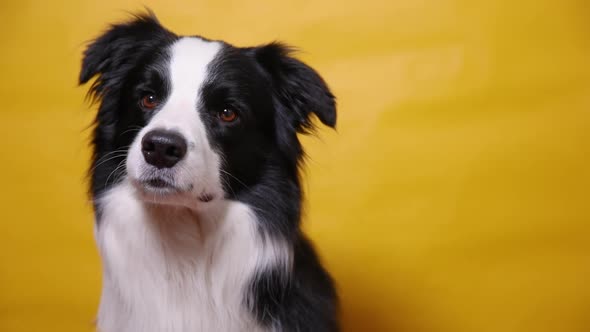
454, 196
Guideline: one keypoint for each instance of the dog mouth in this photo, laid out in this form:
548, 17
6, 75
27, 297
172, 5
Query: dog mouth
158, 186
159, 183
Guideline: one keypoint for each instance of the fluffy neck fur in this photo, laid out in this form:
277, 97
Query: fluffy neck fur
173, 269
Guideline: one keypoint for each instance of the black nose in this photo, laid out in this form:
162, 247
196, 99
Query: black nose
163, 149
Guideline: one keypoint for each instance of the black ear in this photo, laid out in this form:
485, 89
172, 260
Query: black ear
299, 88
112, 55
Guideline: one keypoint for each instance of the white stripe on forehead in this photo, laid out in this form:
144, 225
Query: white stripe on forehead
186, 73
190, 57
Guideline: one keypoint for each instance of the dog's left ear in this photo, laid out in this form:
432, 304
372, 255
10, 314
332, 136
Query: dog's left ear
299, 89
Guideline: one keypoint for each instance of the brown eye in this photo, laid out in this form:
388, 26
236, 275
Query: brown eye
228, 115
149, 101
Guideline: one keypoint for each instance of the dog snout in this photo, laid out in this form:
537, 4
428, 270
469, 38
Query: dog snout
162, 148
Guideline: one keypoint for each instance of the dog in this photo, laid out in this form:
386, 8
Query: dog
195, 183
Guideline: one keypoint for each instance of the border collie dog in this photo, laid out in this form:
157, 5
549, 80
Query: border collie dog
195, 183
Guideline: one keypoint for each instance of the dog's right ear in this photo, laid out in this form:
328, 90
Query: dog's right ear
110, 56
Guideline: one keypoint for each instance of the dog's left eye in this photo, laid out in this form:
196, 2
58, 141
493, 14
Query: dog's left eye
149, 101
228, 115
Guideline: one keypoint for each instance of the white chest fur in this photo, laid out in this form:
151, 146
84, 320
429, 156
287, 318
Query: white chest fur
172, 269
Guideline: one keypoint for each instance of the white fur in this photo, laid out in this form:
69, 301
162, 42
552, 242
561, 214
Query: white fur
170, 268
172, 263
198, 171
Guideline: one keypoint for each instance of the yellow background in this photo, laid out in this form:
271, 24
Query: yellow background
454, 196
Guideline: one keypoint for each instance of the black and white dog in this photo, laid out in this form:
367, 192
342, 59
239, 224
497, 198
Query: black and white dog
195, 184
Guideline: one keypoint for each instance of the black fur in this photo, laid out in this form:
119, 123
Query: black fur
119, 59
305, 302
275, 95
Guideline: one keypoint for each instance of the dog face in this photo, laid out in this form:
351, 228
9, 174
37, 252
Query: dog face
172, 159
188, 120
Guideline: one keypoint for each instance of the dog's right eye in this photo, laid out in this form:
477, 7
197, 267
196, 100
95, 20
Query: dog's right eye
149, 101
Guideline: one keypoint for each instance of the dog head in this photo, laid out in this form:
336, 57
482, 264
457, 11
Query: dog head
188, 120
